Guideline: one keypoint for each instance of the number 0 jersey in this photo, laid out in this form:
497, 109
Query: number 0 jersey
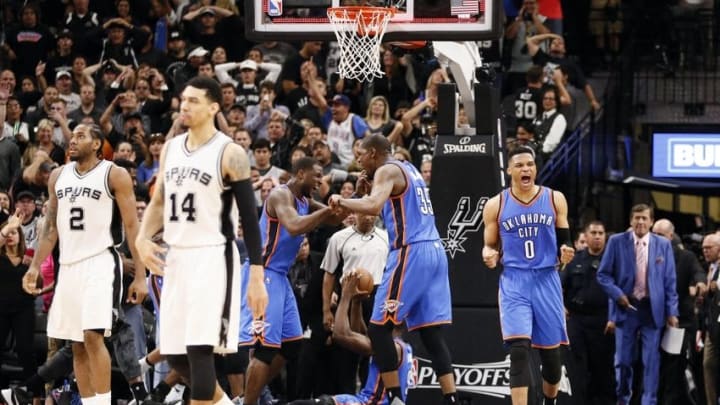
409, 216
88, 220
199, 209
527, 230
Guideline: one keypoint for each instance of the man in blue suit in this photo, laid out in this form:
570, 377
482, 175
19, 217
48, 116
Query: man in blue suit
638, 274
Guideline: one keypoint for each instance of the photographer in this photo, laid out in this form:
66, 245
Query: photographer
529, 22
132, 132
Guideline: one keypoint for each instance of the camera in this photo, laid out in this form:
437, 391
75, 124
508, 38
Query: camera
527, 17
132, 131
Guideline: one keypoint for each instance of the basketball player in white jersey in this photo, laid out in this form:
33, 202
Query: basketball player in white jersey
88, 198
200, 172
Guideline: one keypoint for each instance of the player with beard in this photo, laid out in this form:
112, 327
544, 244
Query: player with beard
276, 334
529, 224
88, 198
199, 175
415, 287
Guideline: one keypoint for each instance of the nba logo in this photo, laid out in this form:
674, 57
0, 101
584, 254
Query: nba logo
275, 8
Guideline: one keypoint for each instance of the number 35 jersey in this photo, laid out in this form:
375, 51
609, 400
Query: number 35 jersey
88, 220
527, 230
199, 210
409, 216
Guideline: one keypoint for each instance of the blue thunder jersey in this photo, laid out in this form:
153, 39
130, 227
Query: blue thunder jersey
527, 231
409, 216
374, 391
279, 247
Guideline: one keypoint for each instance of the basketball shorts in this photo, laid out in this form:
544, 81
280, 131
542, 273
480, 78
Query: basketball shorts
415, 287
281, 322
531, 306
86, 294
193, 298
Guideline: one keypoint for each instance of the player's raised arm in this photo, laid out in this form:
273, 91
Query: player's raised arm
122, 186
491, 250
47, 239
152, 223
236, 173
343, 332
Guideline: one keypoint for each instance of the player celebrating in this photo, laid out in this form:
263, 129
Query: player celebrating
199, 174
85, 198
531, 222
415, 286
288, 214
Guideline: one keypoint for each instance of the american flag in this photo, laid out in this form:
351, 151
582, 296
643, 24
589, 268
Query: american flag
464, 7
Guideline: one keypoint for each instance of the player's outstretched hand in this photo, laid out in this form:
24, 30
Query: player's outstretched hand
150, 254
350, 284
257, 296
490, 257
566, 254
334, 202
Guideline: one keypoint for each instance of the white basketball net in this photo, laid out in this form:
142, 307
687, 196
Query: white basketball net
359, 31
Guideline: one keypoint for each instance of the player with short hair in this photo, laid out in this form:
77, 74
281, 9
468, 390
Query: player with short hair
200, 174
276, 334
415, 287
529, 224
87, 199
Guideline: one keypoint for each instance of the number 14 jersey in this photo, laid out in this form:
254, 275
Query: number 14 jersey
199, 209
409, 216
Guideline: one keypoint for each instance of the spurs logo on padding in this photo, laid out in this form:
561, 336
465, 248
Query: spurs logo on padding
463, 221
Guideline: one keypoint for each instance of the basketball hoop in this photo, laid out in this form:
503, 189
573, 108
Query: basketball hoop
359, 31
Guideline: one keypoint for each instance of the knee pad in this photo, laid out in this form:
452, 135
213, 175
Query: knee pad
520, 363
551, 365
290, 350
383, 346
439, 353
265, 354
202, 372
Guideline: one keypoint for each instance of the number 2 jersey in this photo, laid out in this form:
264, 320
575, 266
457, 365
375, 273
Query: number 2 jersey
409, 216
199, 209
527, 230
88, 220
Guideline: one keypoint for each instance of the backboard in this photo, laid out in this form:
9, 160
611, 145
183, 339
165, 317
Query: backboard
434, 20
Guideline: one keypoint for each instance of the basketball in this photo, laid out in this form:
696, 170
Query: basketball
365, 281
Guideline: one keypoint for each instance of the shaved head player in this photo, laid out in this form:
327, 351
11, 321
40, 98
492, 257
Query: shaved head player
201, 172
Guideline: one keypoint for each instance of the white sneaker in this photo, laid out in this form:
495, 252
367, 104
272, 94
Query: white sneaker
175, 395
238, 400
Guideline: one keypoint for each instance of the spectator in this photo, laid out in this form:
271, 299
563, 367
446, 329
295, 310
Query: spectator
152, 106
580, 242
393, 85
551, 125
176, 50
327, 159
275, 51
29, 42
45, 142
554, 12
401, 154
251, 71
419, 130
379, 121
262, 153
8, 81
128, 106
529, 22
64, 85
711, 330
266, 68
42, 109
587, 322
528, 100
122, 11
58, 115
28, 94
147, 171
343, 128
17, 309
525, 136
9, 150
88, 107
5, 206
25, 204
14, 127
426, 171
206, 26
150, 55
640, 306
236, 116
299, 101
290, 77
132, 130
556, 56
690, 282
206, 70
35, 177
84, 26
124, 150
258, 116
218, 56
123, 41
181, 73
62, 58
229, 97
247, 89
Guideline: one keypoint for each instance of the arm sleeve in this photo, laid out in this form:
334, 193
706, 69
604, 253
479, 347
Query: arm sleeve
245, 198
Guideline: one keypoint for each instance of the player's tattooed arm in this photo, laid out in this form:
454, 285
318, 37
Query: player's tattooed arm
236, 165
48, 235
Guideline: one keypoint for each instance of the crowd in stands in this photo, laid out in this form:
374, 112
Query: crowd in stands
121, 64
